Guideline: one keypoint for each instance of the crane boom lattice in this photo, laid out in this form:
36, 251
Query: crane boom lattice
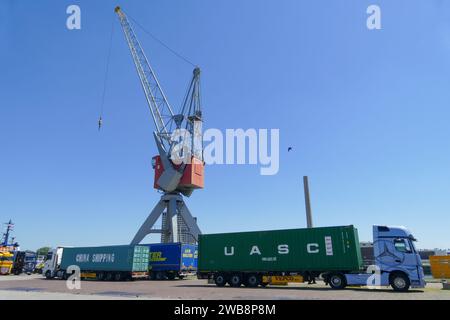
160, 108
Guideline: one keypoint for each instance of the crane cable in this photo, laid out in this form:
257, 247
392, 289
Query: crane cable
100, 120
160, 41
179, 55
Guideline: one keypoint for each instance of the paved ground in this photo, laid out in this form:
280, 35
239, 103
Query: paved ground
36, 287
30, 295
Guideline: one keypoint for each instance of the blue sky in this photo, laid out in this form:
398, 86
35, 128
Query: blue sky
366, 112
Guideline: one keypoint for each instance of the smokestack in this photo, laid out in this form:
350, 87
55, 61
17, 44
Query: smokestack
309, 222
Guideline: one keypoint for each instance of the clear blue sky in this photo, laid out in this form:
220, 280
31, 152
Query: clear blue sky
367, 113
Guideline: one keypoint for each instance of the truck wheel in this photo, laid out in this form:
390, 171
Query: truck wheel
337, 281
48, 275
118, 276
160, 275
252, 281
171, 276
181, 277
108, 276
220, 280
235, 280
399, 282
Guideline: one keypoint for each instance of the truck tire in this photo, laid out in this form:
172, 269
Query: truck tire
220, 280
252, 281
48, 275
160, 275
337, 281
171, 276
117, 276
235, 280
108, 276
399, 282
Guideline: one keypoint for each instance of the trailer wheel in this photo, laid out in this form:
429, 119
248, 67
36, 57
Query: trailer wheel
337, 281
399, 282
235, 280
160, 275
220, 280
252, 281
171, 276
100, 276
108, 276
117, 276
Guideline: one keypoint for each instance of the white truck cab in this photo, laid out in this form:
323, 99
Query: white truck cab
397, 262
52, 263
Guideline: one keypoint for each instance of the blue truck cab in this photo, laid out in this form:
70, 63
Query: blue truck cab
397, 262
172, 260
30, 262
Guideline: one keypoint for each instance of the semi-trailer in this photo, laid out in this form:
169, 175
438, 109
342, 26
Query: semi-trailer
263, 257
122, 262
172, 260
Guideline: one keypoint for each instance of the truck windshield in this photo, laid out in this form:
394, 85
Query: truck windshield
49, 256
402, 245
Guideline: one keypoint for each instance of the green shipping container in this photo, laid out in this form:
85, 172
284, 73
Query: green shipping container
293, 250
107, 258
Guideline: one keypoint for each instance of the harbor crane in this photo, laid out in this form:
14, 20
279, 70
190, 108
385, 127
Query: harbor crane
178, 167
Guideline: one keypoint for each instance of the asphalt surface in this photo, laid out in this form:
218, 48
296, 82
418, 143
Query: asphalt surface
36, 287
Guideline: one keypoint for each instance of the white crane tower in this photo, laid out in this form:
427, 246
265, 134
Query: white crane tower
174, 177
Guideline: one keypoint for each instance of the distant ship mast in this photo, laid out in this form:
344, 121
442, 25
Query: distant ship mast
9, 228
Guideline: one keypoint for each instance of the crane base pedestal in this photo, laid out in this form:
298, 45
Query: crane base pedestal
170, 207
